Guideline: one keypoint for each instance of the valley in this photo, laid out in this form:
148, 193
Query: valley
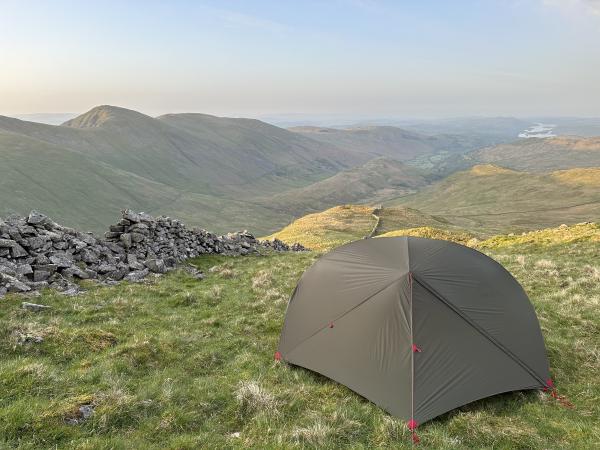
228, 173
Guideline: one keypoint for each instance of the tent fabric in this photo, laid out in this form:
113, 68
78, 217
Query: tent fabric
418, 326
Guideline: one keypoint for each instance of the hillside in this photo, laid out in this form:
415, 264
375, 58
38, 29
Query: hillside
180, 363
375, 141
543, 155
335, 226
490, 199
377, 180
204, 169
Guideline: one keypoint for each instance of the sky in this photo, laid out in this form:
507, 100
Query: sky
363, 58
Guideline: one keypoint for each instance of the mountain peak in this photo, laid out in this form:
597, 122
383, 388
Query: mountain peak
104, 114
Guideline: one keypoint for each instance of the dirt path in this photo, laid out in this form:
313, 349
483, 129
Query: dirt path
375, 214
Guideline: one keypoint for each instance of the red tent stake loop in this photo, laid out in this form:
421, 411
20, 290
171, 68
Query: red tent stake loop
415, 437
562, 399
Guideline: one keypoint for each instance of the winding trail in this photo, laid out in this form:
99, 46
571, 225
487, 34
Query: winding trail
375, 214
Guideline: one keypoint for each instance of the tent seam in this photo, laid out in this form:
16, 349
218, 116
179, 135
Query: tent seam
412, 339
494, 341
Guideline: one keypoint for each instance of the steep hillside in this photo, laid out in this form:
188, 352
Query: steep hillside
489, 199
205, 169
207, 154
393, 142
375, 141
378, 180
542, 155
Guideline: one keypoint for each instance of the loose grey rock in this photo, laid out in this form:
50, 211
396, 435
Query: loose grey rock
131, 216
17, 251
75, 271
24, 269
126, 240
15, 285
156, 265
36, 252
137, 276
40, 275
61, 261
105, 268
7, 243
35, 242
137, 237
86, 411
36, 218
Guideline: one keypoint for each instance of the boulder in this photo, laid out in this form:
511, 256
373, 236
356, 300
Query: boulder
36, 218
61, 261
75, 271
18, 252
137, 275
156, 265
6, 243
106, 268
41, 275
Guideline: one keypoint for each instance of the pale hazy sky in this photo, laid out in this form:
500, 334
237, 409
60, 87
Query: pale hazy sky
363, 57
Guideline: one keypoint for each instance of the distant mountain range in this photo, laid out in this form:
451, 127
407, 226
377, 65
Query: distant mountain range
233, 173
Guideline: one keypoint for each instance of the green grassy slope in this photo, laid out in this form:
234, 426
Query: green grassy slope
206, 169
179, 363
543, 155
77, 191
377, 141
377, 180
489, 199
330, 228
218, 173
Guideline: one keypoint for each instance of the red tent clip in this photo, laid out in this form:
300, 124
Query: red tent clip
416, 349
277, 356
412, 426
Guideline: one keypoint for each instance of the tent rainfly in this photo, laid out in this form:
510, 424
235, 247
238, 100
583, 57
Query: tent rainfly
418, 326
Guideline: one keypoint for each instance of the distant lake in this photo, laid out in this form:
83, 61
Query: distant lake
539, 130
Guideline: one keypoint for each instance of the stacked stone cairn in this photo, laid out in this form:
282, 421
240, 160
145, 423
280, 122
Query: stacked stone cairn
36, 252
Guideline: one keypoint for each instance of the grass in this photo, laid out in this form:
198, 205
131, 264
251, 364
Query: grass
330, 228
432, 233
179, 363
492, 200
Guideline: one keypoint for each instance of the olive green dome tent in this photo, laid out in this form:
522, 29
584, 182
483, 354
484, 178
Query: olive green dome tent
418, 326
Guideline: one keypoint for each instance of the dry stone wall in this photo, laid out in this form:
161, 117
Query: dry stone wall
36, 252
